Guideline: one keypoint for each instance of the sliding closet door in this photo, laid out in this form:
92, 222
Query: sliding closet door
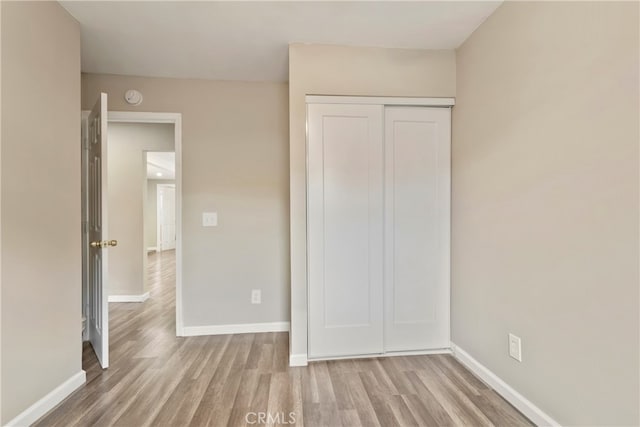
417, 198
345, 229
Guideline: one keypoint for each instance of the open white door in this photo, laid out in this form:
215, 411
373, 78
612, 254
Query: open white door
97, 230
166, 217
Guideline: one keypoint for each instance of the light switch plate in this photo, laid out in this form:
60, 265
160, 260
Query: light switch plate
515, 347
256, 296
209, 219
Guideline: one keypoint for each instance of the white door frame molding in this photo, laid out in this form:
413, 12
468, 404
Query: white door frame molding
176, 120
387, 101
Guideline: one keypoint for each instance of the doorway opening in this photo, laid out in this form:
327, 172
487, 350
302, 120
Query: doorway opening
160, 229
135, 144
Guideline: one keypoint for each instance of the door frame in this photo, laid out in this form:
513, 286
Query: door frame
158, 224
176, 120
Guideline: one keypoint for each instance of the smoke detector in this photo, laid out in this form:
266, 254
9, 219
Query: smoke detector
133, 97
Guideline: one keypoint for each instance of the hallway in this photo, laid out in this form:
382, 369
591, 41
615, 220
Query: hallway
156, 379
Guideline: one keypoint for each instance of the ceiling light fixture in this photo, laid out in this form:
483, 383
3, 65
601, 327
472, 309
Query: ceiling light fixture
158, 174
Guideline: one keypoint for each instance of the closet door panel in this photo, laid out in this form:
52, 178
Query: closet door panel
417, 188
345, 229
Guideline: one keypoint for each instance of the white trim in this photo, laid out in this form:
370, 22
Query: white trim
152, 249
243, 328
178, 181
520, 402
386, 354
48, 402
129, 298
416, 352
84, 220
380, 100
298, 360
176, 119
143, 117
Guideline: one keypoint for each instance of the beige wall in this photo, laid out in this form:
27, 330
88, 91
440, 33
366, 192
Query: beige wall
151, 211
41, 260
1, 416
127, 187
339, 70
234, 158
545, 205
1, 412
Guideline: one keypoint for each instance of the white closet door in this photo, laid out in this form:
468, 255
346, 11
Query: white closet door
417, 198
345, 229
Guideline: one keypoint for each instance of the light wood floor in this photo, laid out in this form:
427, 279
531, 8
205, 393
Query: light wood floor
157, 379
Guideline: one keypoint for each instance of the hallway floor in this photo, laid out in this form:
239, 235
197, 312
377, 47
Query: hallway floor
158, 379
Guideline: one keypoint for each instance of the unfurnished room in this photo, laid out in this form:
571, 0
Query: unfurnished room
319, 213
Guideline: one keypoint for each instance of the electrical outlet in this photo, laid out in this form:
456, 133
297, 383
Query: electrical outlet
515, 347
256, 296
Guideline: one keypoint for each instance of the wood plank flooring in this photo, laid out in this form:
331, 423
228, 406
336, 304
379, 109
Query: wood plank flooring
157, 379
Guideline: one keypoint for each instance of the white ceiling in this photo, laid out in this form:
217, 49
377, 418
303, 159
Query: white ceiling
163, 163
248, 40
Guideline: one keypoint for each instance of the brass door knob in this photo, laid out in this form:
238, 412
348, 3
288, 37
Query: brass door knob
104, 243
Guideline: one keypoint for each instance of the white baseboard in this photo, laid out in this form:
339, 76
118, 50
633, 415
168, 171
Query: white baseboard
387, 354
298, 360
525, 406
129, 298
303, 359
48, 402
243, 328
417, 352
